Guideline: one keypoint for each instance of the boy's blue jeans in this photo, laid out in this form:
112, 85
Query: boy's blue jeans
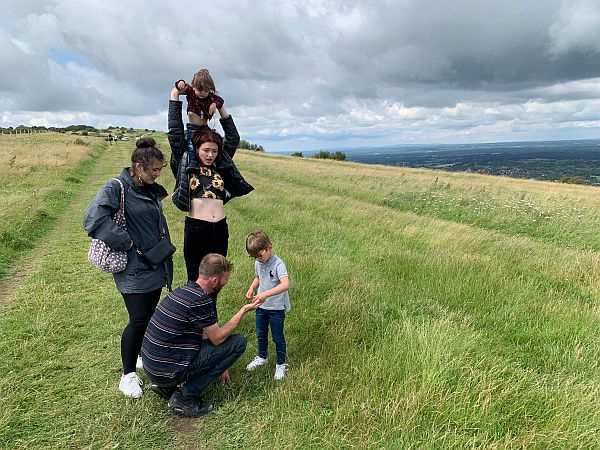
192, 158
211, 361
275, 319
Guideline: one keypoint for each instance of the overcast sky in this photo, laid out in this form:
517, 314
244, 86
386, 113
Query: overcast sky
312, 74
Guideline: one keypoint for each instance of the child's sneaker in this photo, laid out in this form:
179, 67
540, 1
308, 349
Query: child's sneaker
139, 364
130, 385
280, 370
256, 362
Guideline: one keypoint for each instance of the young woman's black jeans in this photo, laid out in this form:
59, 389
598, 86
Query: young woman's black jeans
201, 238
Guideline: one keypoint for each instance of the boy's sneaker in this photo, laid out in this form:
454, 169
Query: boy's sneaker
280, 370
139, 363
130, 385
189, 408
256, 362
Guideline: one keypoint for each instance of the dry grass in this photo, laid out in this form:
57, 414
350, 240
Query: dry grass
40, 174
21, 152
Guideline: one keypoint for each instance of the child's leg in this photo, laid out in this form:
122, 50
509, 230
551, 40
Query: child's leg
192, 157
276, 320
262, 331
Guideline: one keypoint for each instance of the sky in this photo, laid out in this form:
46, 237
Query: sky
302, 75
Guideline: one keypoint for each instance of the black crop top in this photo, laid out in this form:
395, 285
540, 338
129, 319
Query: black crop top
207, 183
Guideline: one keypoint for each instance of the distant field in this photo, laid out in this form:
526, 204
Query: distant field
568, 161
41, 172
429, 310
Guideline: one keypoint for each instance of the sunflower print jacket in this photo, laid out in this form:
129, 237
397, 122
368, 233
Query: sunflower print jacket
233, 182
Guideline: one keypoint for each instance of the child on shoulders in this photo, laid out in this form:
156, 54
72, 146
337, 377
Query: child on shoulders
202, 103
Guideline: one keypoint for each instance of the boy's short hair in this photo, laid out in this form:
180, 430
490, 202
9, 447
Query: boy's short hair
256, 242
214, 265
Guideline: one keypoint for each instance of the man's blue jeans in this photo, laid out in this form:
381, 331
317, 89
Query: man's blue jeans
211, 361
275, 319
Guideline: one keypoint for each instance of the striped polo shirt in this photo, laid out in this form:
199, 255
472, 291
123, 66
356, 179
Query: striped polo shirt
174, 334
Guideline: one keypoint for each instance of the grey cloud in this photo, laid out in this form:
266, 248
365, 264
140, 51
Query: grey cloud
311, 70
467, 44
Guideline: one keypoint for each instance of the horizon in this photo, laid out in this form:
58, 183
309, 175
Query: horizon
432, 144
341, 148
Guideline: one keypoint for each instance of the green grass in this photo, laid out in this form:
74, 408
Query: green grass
448, 324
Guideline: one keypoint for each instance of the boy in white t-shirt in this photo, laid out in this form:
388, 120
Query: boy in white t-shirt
273, 283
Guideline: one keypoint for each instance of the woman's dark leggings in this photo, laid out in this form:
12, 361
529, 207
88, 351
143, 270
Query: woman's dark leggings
140, 308
201, 238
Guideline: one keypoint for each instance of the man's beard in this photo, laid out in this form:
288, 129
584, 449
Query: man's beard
217, 288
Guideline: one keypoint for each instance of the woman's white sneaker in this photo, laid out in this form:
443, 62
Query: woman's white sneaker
130, 385
280, 370
139, 364
256, 362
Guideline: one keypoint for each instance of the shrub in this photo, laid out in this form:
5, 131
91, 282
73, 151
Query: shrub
248, 146
571, 180
340, 156
80, 141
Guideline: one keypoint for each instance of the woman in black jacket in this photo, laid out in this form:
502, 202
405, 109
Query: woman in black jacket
140, 284
203, 190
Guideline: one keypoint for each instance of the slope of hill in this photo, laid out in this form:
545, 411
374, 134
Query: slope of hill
430, 310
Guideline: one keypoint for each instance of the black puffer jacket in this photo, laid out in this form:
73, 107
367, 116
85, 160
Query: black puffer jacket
234, 182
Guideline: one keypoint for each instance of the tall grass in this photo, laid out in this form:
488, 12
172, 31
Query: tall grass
448, 324
41, 173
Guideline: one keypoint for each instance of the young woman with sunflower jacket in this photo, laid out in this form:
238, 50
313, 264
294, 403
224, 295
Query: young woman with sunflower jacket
203, 191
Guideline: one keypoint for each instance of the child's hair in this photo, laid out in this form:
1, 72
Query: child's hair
145, 151
203, 135
203, 81
256, 242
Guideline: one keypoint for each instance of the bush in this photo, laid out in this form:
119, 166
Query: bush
248, 146
571, 180
80, 141
298, 154
340, 156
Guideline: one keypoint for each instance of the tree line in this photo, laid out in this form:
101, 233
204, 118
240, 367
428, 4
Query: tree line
69, 129
338, 156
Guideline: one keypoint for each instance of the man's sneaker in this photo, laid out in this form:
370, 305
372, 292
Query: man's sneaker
130, 385
188, 408
139, 364
280, 370
256, 362
163, 391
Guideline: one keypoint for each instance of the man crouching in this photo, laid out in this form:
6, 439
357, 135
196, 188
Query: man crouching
184, 348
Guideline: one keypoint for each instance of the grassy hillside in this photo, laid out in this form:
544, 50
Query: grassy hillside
41, 172
430, 310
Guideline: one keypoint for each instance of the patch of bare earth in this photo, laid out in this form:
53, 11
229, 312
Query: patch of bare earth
184, 427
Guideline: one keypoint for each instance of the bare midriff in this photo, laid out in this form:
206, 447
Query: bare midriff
207, 209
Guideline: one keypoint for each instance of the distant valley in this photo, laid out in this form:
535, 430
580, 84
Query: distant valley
576, 161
